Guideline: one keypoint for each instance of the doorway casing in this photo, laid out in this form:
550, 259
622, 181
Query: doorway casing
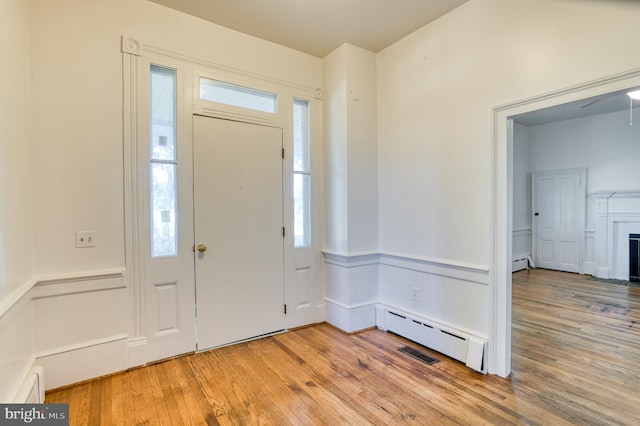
500, 332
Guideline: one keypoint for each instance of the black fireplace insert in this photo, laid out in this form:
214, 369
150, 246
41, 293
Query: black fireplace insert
634, 255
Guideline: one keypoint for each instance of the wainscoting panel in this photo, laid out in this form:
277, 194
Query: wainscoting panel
72, 319
75, 327
351, 290
590, 252
79, 326
446, 299
16, 350
521, 249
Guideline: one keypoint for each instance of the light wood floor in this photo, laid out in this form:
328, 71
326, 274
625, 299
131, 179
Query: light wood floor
576, 360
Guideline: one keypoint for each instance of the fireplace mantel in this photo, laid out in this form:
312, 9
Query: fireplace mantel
617, 214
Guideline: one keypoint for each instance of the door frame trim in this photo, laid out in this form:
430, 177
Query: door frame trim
135, 54
502, 224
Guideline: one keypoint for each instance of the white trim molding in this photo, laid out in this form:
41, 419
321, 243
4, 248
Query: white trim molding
55, 321
133, 46
358, 283
474, 273
501, 250
351, 260
351, 290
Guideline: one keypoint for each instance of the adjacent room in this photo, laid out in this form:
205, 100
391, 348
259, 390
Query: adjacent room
198, 190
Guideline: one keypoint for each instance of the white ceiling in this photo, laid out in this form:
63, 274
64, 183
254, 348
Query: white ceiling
611, 102
318, 27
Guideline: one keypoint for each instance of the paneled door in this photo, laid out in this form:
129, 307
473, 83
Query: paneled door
558, 219
239, 243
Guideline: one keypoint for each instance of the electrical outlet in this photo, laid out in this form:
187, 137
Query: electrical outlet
85, 239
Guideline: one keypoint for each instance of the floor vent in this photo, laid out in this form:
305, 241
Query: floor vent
418, 354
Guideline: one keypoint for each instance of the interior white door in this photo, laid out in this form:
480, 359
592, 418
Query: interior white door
558, 219
239, 218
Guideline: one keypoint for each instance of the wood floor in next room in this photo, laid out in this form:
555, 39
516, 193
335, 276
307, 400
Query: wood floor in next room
576, 359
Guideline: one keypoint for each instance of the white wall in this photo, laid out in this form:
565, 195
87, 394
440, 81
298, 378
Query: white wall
16, 236
77, 112
15, 147
521, 193
362, 155
521, 178
436, 92
68, 54
605, 144
351, 188
334, 68
608, 147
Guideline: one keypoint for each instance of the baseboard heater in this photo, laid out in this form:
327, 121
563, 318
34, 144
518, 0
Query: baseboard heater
519, 264
458, 345
32, 389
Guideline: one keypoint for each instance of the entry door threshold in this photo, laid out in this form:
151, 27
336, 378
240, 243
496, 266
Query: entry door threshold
260, 336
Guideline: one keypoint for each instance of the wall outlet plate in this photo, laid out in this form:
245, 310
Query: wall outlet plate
85, 239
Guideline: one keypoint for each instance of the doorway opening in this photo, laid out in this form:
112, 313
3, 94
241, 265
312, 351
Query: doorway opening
500, 339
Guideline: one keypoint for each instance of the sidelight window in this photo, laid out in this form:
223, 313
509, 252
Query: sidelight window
301, 174
163, 162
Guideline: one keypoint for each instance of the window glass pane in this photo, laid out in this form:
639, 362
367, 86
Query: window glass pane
300, 136
163, 113
230, 94
163, 210
301, 206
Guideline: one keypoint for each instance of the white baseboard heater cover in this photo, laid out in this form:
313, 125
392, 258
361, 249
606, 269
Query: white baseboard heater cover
520, 264
458, 345
32, 389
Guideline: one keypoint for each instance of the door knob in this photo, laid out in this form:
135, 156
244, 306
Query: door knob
202, 248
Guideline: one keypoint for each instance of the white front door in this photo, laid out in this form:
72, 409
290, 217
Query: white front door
239, 218
558, 219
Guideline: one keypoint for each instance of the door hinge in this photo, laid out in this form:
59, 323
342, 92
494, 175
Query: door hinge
285, 309
282, 152
283, 232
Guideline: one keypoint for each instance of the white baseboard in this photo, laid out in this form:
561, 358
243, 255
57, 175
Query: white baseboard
32, 389
589, 268
602, 272
66, 367
350, 318
321, 313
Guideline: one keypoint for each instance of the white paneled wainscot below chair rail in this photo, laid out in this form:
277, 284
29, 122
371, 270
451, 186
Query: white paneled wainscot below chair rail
521, 258
351, 290
436, 303
65, 328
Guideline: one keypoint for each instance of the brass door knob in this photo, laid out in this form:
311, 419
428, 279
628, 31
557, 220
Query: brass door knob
202, 248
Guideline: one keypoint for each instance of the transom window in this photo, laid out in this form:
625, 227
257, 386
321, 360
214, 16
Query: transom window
234, 95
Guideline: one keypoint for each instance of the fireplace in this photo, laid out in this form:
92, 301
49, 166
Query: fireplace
634, 255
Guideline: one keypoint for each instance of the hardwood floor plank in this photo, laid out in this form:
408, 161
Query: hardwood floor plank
575, 357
